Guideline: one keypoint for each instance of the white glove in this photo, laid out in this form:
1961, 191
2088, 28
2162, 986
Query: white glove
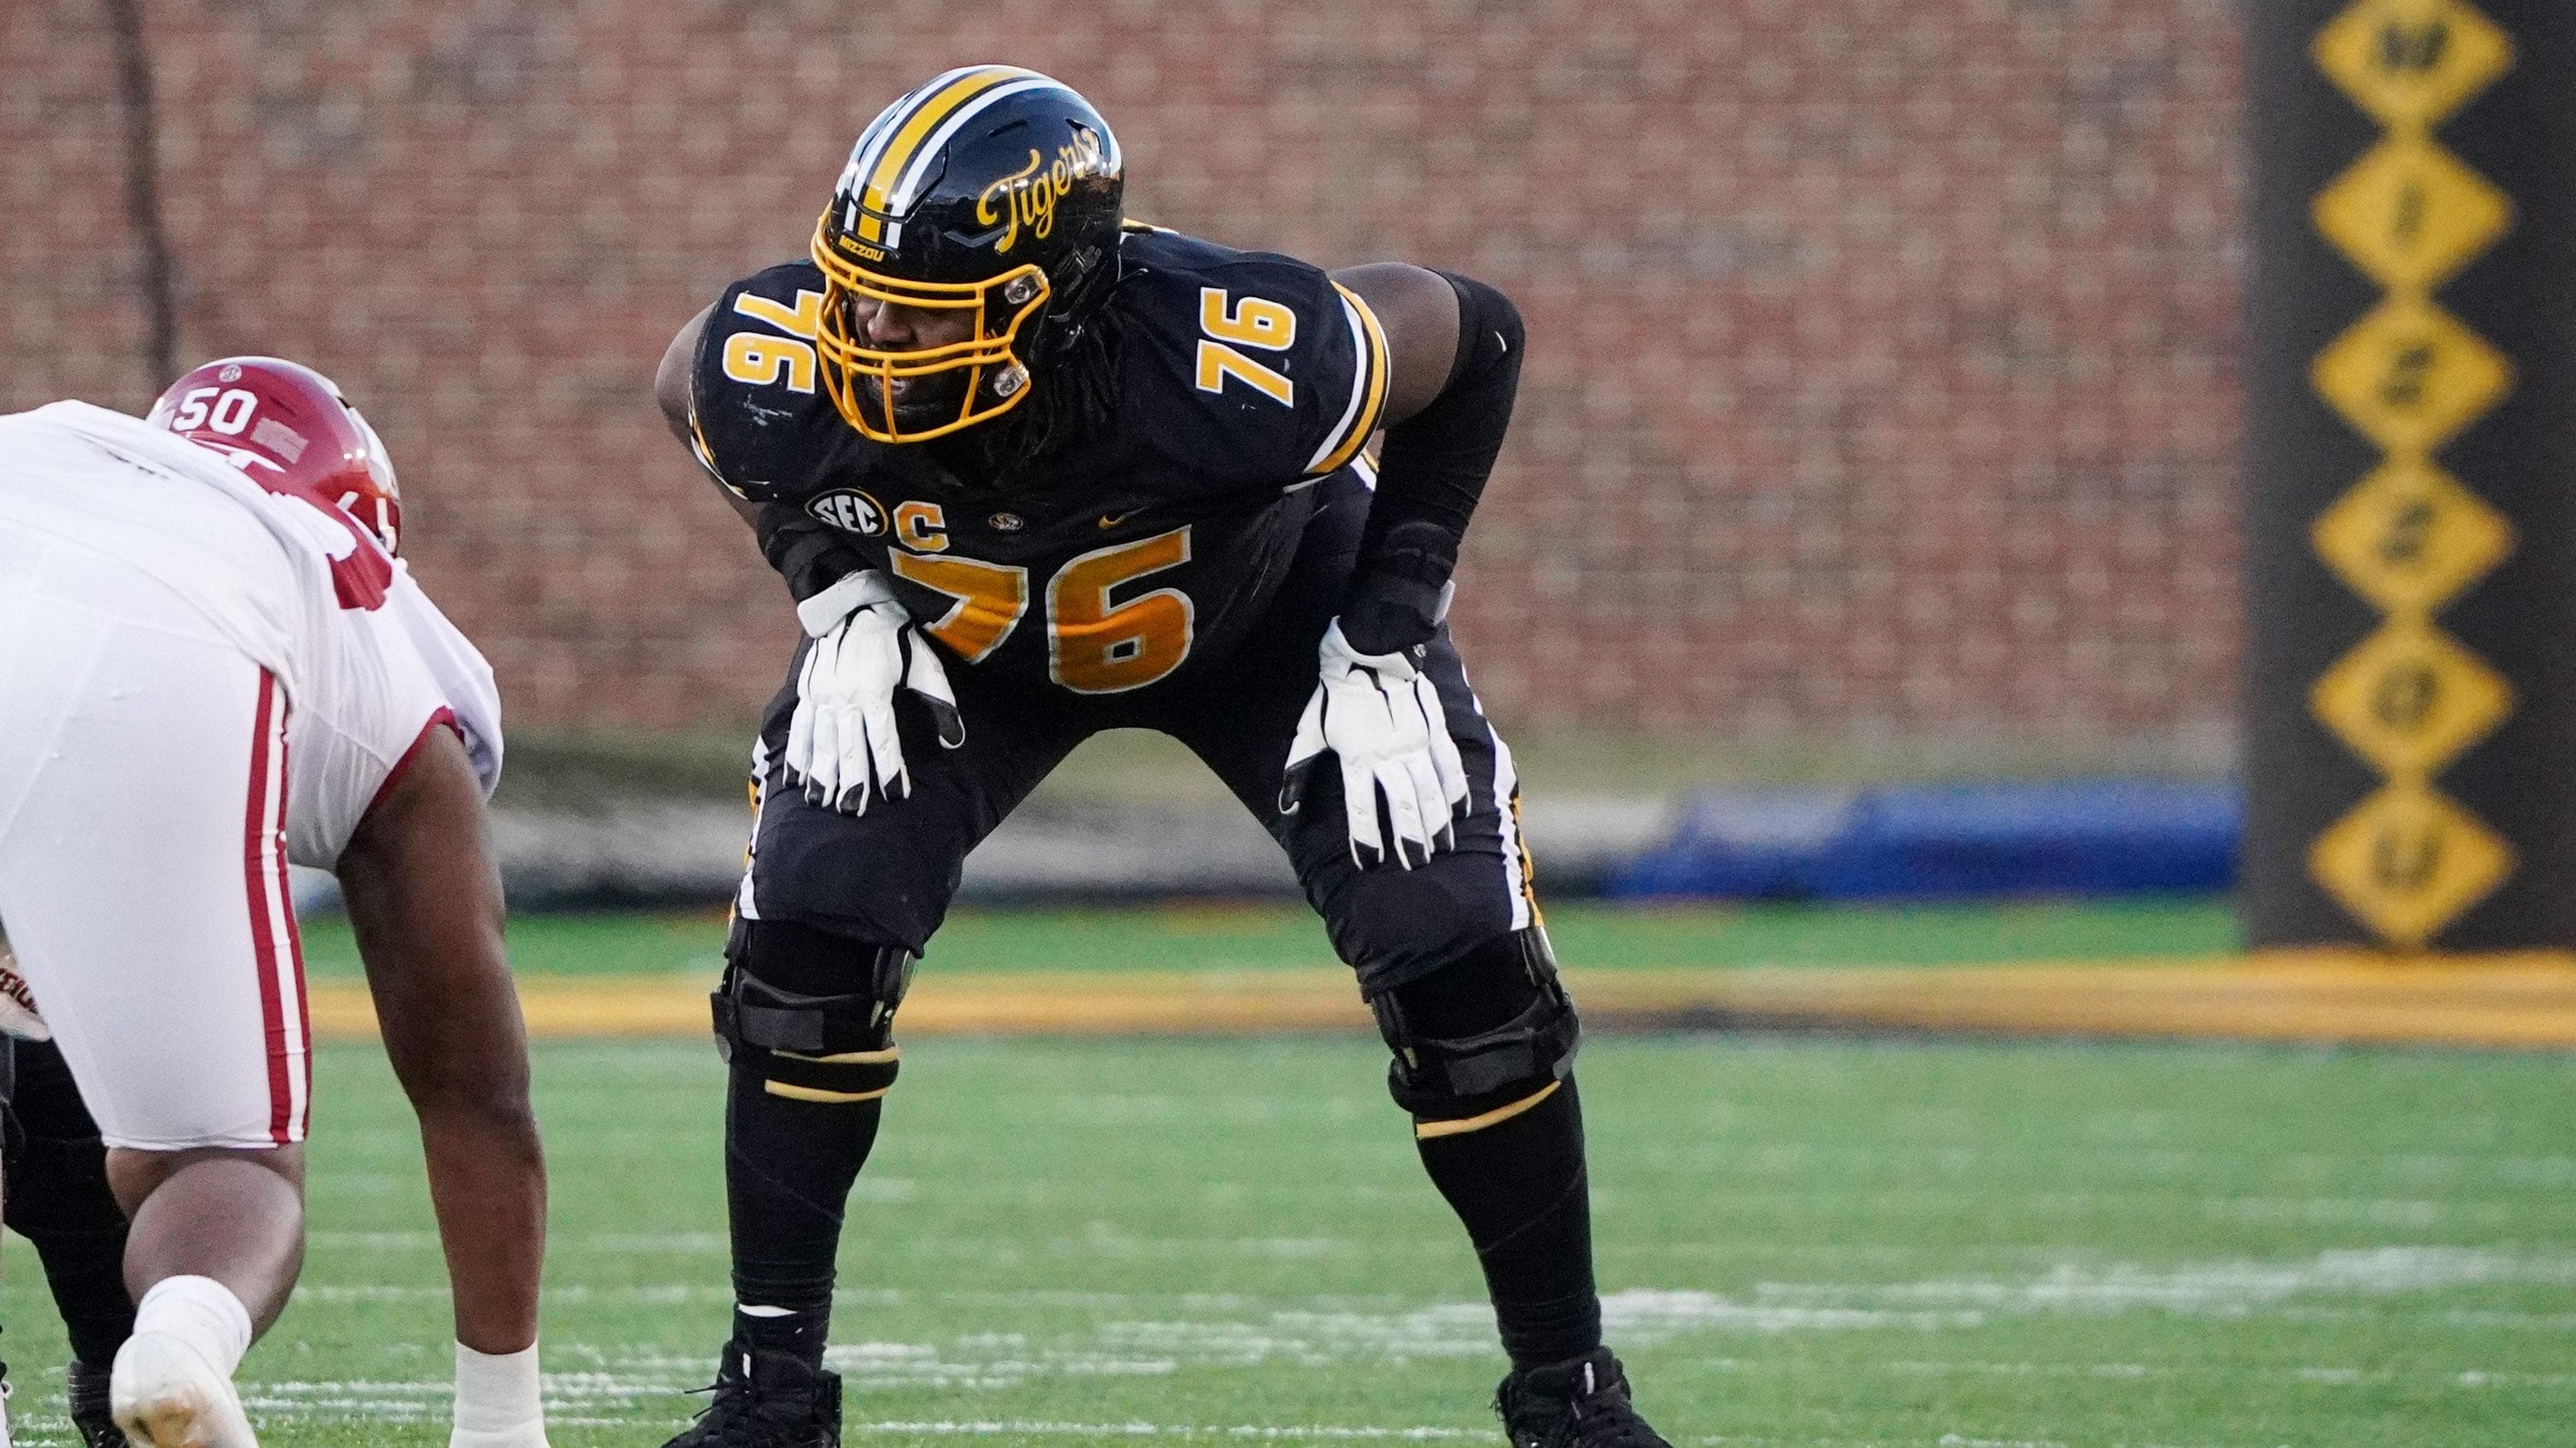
842, 744
18, 1015
1382, 715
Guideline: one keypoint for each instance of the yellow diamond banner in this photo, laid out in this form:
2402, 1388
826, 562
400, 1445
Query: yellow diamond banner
2409, 376
2409, 699
2413, 62
2411, 214
2407, 862
2410, 537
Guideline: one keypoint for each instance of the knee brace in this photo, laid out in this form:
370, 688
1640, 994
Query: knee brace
1455, 1072
811, 1013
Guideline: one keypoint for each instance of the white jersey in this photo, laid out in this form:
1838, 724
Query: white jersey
367, 662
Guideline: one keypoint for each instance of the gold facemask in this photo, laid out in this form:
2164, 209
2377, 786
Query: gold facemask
986, 358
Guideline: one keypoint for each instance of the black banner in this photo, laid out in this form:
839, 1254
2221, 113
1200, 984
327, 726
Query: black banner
2410, 691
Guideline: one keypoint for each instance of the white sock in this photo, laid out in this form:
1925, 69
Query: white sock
200, 1312
496, 1393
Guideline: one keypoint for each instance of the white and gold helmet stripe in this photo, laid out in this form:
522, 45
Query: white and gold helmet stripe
901, 139
908, 186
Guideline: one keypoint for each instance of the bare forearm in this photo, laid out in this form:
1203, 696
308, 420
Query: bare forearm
487, 1182
425, 903
463, 1060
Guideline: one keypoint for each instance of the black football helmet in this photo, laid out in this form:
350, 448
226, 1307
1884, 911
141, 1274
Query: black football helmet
991, 190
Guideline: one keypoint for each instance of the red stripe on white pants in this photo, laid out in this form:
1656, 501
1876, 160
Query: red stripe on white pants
277, 952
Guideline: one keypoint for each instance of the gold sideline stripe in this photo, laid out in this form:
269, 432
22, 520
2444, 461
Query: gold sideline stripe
2522, 1001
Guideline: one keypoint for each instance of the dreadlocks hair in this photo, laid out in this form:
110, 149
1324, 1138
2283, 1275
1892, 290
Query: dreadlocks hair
1075, 396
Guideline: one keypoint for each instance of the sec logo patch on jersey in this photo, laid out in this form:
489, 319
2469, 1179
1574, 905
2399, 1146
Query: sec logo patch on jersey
849, 510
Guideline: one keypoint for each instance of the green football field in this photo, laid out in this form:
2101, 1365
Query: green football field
1804, 1240
1188, 937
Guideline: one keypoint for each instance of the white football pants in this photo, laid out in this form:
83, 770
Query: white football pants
142, 853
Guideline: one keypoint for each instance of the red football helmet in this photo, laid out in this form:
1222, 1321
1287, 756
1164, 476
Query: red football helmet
284, 423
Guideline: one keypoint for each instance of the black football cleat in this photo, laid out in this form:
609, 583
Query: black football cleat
767, 1400
85, 1390
1579, 1403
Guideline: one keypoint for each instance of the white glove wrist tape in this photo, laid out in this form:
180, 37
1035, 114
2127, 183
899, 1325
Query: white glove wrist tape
821, 613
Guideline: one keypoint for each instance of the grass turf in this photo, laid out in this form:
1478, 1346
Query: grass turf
1280, 937
1806, 1242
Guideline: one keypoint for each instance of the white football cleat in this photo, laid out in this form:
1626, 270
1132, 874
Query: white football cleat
165, 1394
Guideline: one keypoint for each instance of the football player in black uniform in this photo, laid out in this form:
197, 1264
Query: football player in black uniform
53, 1178
58, 1198
1032, 472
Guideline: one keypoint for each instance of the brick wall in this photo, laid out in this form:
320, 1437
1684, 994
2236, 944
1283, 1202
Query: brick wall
1882, 371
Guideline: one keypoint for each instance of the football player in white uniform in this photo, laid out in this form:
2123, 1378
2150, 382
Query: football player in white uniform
211, 663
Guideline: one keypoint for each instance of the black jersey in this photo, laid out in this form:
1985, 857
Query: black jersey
1244, 379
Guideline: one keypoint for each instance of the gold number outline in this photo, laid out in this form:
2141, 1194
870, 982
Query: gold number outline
1082, 631
759, 361
1230, 324
1090, 623
992, 598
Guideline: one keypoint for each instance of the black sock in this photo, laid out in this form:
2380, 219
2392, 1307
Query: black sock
788, 1169
86, 1273
1519, 1187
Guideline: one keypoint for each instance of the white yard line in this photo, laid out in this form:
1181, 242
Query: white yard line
1318, 1330
1069, 1336
2337, 1377
2223, 1287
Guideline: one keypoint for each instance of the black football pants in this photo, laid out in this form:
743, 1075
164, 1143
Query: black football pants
887, 876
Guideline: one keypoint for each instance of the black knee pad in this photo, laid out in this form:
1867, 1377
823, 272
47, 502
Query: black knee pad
811, 1013
1487, 1032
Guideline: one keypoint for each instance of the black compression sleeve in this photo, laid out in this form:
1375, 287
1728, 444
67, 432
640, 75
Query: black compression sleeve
803, 551
1431, 474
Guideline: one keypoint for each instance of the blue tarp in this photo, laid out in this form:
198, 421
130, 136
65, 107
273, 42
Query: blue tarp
1948, 841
